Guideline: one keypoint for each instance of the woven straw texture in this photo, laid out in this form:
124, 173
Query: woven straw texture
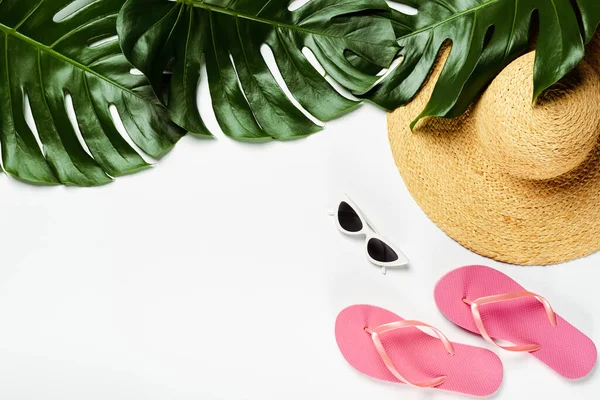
516, 182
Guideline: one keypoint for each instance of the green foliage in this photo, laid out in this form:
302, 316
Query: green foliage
45, 61
486, 35
46, 58
247, 100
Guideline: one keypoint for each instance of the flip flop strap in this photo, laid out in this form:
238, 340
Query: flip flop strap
387, 360
476, 311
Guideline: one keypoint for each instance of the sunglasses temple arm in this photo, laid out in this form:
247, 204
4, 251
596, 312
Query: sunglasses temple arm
373, 227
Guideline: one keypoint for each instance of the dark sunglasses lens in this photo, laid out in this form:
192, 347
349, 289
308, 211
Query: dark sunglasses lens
348, 218
379, 251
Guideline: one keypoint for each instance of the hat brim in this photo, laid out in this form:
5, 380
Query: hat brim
513, 220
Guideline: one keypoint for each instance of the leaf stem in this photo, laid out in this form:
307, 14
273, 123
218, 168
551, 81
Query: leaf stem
451, 18
41, 47
254, 18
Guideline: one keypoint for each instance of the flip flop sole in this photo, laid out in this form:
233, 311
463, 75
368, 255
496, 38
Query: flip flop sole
419, 356
524, 321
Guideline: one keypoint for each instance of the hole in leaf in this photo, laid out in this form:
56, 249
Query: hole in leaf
269, 58
116, 117
239, 82
296, 4
204, 101
71, 114
71, 9
136, 72
340, 89
99, 41
312, 59
386, 72
31, 122
402, 8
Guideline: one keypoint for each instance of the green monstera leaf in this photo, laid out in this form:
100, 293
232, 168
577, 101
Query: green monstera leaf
52, 50
248, 101
485, 35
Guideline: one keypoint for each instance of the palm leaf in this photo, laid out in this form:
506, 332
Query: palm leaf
44, 61
248, 101
486, 35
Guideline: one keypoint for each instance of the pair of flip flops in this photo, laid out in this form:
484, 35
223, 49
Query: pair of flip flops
481, 300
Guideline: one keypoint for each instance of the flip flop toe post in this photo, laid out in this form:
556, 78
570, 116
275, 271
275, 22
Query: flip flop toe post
384, 346
489, 303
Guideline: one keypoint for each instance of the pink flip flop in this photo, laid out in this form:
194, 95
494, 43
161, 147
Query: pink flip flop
382, 345
489, 303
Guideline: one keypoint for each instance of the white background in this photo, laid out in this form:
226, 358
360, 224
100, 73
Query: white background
218, 275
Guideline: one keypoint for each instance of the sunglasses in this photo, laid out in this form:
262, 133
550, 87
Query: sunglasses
351, 221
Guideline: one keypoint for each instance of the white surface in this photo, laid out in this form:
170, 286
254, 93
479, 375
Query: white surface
218, 275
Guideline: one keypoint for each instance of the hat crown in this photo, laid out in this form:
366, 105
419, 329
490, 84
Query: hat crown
544, 140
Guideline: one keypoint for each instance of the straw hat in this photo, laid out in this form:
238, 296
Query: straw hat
515, 182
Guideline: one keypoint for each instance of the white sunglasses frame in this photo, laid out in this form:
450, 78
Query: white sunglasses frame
370, 232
